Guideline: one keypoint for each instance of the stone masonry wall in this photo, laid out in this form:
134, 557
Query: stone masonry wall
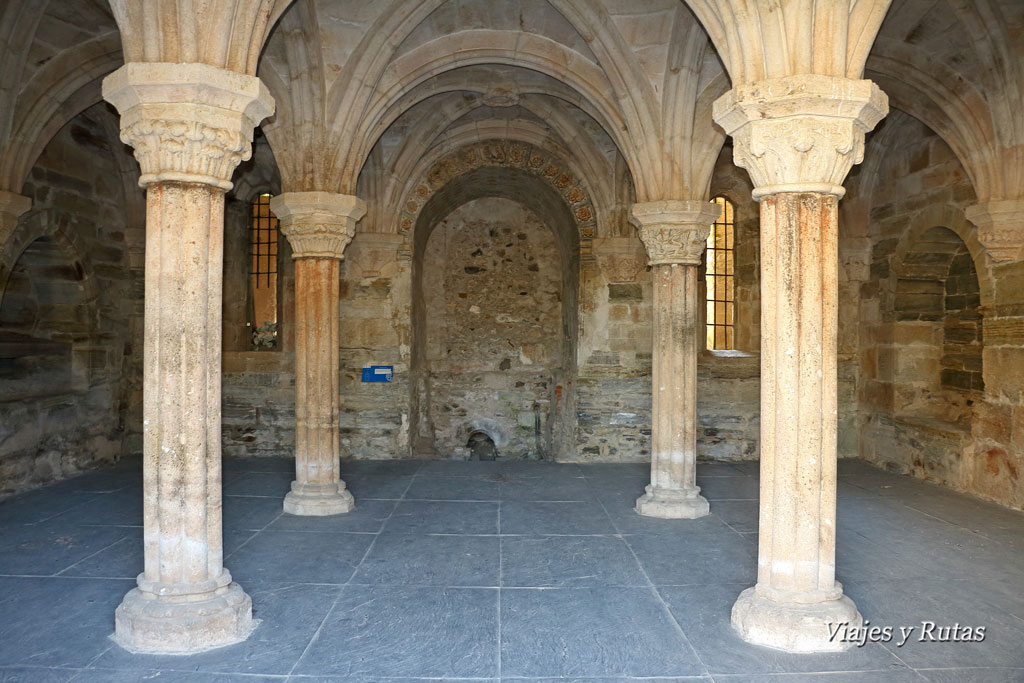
70, 325
940, 338
493, 295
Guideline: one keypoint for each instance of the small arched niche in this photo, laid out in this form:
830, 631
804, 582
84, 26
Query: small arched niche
937, 302
44, 323
495, 282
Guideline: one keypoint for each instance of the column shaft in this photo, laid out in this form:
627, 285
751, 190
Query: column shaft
184, 575
673, 491
317, 488
799, 251
797, 597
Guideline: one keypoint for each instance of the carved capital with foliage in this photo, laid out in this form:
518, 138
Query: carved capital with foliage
190, 123
800, 133
318, 224
1000, 227
674, 231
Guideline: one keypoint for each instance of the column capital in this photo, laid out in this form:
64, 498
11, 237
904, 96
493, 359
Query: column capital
674, 231
12, 205
190, 123
800, 133
1000, 227
318, 224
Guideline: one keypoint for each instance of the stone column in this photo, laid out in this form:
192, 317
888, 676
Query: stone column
675, 234
318, 225
798, 137
190, 125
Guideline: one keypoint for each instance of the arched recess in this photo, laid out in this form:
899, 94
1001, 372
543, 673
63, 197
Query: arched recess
937, 326
47, 314
553, 427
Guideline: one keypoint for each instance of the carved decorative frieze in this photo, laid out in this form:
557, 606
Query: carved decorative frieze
621, 259
188, 123
675, 231
318, 224
372, 253
800, 133
1000, 227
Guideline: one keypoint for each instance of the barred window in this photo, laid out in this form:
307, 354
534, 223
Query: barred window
263, 274
720, 279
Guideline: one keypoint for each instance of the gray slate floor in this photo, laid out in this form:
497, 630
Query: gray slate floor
509, 571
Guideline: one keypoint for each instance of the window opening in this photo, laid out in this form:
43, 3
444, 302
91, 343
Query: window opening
719, 276
263, 274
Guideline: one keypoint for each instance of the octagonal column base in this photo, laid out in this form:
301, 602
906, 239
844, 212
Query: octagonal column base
147, 623
795, 627
318, 500
672, 503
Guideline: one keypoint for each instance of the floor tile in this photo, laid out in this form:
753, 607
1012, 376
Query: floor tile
695, 559
704, 611
21, 674
453, 488
394, 631
942, 603
250, 512
122, 560
574, 488
59, 622
379, 486
591, 632
284, 557
269, 484
729, 488
48, 548
434, 517
540, 517
976, 675
367, 516
904, 675
741, 515
422, 559
568, 561
380, 467
118, 508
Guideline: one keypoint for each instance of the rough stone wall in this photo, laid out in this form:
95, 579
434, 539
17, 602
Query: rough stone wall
70, 325
936, 399
493, 292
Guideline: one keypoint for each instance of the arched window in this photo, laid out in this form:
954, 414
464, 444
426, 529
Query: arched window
263, 236
719, 276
